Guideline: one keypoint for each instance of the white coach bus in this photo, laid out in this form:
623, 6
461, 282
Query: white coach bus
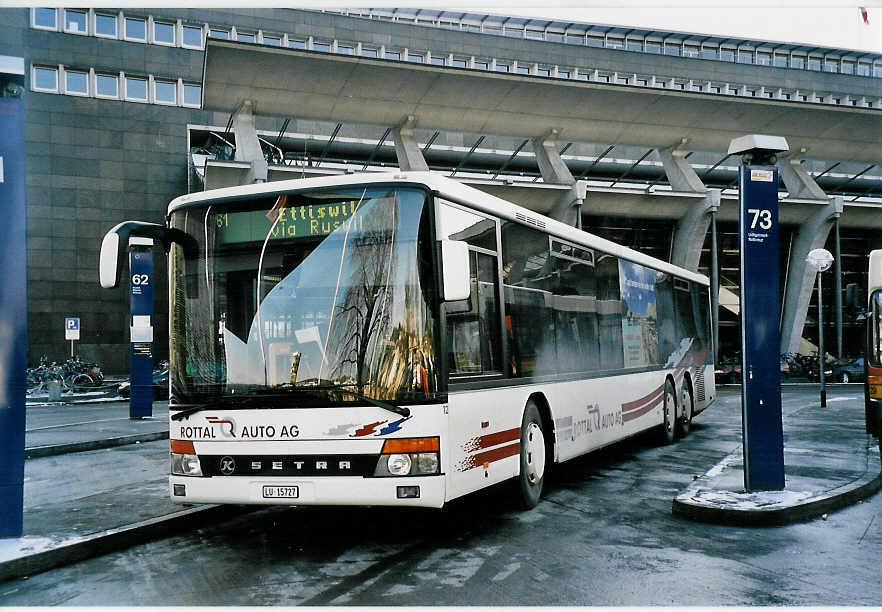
403, 339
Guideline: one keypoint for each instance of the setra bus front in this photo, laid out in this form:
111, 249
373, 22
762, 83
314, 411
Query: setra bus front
304, 345
873, 360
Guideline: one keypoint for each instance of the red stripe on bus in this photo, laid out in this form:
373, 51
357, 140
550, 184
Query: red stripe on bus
649, 398
498, 438
492, 455
630, 416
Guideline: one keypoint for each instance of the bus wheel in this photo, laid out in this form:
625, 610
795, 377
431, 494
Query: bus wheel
684, 423
532, 456
670, 413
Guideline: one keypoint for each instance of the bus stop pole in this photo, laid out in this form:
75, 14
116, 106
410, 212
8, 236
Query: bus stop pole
13, 296
141, 304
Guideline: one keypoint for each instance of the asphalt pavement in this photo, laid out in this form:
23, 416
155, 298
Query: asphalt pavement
96, 480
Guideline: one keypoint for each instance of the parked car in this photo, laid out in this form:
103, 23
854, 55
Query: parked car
812, 372
851, 370
160, 385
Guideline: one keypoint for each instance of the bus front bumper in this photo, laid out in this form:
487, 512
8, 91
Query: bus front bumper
424, 491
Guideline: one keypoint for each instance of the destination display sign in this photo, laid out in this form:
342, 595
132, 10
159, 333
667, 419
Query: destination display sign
294, 222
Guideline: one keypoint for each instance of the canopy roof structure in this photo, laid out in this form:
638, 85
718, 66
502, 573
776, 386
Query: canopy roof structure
315, 85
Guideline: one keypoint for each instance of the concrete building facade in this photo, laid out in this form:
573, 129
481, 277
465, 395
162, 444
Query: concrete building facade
115, 129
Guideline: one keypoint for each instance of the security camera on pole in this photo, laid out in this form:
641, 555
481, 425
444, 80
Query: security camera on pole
763, 435
820, 260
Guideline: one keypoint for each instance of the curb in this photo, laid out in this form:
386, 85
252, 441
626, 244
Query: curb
811, 507
116, 539
76, 447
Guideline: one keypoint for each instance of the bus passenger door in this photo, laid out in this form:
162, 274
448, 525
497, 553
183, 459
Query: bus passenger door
473, 346
474, 350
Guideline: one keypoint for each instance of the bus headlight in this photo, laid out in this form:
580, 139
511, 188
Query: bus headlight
184, 461
185, 465
399, 465
409, 457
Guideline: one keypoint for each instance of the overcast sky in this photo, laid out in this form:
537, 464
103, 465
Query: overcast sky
833, 24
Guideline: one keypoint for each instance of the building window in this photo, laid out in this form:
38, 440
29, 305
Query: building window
602, 77
482, 65
523, 69
595, 41
679, 85
535, 34
192, 95
847, 67
163, 33
581, 75
708, 52
652, 47
107, 86
745, 56
438, 60
272, 40
105, 25
370, 52
727, 54
797, 61
136, 28
614, 43
393, 55
831, 65
634, 44
416, 58
76, 82
763, 58
219, 33
246, 37
45, 18
45, 78
502, 67
543, 71
690, 50
165, 92
780, 60
296, 43
321, 45
563, 74
75, 21
814, 63
136, 89
575, 39
345, 49
863, 69
459, 62
672, 48
877, 70
191, 36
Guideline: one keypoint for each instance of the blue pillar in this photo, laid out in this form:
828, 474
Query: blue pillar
141, 303
13, 296
763, 435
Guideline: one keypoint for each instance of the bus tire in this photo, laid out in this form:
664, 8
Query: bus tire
533, 457
669, 411
687, 407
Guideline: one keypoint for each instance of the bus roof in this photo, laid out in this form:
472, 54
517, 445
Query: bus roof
447, 188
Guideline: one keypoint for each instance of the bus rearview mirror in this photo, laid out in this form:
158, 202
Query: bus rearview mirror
456, 283
116, 243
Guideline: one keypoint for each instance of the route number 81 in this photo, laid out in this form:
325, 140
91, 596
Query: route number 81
762, 217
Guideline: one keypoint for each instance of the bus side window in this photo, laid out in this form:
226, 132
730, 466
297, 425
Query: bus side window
473, 335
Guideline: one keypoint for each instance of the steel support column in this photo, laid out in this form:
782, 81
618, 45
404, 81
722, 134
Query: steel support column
837, 287
406, 148
800, 278
248, 145
692, 230
568, 208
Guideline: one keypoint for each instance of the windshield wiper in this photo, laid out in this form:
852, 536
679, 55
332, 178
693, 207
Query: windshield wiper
217, 403
400, 410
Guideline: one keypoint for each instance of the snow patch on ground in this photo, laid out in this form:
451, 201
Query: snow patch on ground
15, 548
743, 500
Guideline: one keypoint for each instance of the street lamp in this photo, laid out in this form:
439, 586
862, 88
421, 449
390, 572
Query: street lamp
820, 260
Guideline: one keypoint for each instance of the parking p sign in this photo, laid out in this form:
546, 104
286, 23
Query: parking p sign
72, 328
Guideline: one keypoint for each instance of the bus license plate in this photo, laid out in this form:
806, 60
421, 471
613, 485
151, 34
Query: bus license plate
277, 492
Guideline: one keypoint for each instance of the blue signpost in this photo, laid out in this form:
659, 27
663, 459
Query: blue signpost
763, 435
141, 303
13, 296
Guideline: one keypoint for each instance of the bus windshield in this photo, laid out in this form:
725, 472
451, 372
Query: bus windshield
316, 292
